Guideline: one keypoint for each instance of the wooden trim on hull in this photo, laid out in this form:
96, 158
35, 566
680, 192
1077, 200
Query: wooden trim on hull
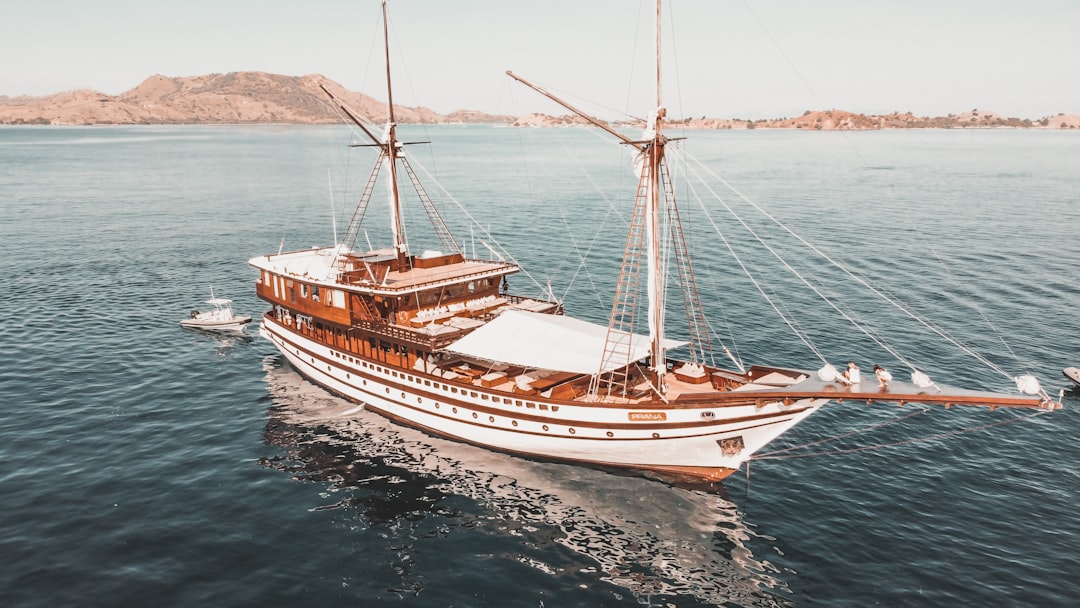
702, 456
746, 422
671, 473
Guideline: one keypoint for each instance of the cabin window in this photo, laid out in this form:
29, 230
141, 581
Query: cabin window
337, 298
304, 291
277, 292
484, 397
517, 402
315, 293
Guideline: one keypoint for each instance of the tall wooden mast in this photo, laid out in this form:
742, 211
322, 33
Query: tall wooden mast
655, 196
390, 142
654, 151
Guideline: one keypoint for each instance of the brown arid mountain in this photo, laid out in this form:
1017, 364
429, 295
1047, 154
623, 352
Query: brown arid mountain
257, 97
233, 98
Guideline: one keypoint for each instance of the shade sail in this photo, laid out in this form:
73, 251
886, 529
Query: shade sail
552, 342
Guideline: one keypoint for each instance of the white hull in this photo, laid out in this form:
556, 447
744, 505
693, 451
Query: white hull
1072, 373
687, 440
234, 324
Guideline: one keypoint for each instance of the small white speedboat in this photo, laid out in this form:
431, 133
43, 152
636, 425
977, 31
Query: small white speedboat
221, 318
1072, 373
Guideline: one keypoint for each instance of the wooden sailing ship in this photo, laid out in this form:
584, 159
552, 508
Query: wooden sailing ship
439, 342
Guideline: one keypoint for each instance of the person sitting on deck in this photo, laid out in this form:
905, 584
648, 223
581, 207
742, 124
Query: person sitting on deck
883, 376
851, 374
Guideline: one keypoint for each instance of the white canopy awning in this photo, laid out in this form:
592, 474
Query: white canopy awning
553, 342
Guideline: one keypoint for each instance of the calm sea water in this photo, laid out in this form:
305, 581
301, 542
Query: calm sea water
143, 464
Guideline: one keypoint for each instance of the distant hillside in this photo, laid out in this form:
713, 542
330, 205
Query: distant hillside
257, 97
832, 120
233, 98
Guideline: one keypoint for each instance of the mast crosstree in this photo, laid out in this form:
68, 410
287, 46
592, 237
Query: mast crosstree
654, 203
390, 154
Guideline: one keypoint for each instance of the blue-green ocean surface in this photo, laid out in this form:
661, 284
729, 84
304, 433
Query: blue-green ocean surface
146, 465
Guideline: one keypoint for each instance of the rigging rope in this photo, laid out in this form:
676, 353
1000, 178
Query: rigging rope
798, 332
791, 269
851, 144
612, 209
483, 230
899, 305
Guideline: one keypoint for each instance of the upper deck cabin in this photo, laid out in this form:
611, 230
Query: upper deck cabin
347, 287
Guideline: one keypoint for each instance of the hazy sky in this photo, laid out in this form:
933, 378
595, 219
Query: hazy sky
735, 58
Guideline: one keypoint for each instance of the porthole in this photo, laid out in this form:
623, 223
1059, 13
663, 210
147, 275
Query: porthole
491, 419
572, 431
656, 435
419, 399
475, 416
436, 406
455, 410
388, 390
402, 395
610, 434
514, 422
545, 427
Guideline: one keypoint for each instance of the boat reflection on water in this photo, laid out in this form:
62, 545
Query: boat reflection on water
223, 343
647, 538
